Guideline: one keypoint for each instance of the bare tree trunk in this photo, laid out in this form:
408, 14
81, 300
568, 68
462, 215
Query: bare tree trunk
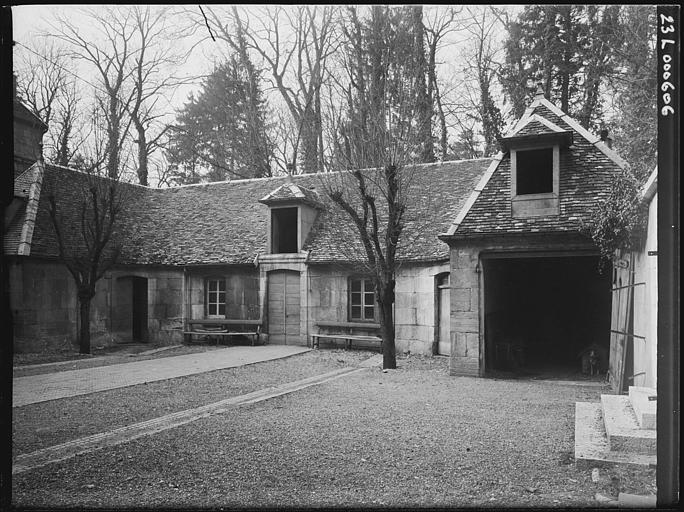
143, 153
84, 323
387, 329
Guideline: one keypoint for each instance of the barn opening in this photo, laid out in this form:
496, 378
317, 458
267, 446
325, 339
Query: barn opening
545, 315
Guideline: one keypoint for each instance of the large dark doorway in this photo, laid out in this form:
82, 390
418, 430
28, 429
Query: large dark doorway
544, 314
139, 313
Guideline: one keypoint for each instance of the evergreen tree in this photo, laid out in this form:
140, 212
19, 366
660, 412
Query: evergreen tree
221, 133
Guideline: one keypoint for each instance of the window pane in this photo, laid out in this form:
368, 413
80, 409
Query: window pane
212, 309
356, 285
222, 298
368, 312
368, 285
369, 299
222, 309
222, 285
212, 286
534, 171
356, 299
356, 312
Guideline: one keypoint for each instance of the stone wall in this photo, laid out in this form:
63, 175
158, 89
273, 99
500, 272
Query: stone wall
44, 306
414, 302
467, 333
242, 291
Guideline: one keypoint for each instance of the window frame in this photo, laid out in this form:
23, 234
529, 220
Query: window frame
208, 303
540, 204
365, 282
274, 233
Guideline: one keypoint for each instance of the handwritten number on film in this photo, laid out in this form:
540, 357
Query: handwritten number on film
666, 27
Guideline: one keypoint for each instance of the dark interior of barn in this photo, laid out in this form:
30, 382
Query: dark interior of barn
546, 316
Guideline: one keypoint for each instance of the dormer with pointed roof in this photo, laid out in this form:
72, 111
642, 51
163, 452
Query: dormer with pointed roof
548, 177
294, 209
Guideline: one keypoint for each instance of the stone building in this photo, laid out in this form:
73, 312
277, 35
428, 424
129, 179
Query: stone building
494, 271
526, 290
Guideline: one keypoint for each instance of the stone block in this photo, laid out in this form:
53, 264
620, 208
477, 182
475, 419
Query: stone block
464, 366
459, 344
464, 321
405, 316
461, 299
472, 344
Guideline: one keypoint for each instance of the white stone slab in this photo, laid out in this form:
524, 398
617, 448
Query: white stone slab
622, 428
644, 409
591, 442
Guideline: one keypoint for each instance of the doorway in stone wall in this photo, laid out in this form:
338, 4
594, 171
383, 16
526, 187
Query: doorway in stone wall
443, 296
139, 309
284, 308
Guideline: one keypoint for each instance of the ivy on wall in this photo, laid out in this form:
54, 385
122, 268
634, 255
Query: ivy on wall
619, 222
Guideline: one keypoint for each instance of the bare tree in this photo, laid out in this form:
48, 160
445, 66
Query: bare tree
50, 91
86, 235
152, 80
378, 202
439, 24
296, 62
112, 58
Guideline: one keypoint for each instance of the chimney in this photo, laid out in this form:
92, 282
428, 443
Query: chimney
605, 139
540, 91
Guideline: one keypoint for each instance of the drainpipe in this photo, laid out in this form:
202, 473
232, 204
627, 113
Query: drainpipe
184, 294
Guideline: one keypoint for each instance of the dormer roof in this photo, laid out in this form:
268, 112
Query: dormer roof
291, 193
536, 130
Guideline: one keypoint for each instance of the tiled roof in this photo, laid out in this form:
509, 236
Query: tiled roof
225, 222
586, 174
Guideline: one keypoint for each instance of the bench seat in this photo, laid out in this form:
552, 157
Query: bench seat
219, 327
344, 331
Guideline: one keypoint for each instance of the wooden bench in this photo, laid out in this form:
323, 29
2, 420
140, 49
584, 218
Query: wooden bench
345, 331
222, 327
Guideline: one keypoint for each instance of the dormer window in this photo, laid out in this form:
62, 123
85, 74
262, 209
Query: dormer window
293, 211
535, 181
284, 230
534, 171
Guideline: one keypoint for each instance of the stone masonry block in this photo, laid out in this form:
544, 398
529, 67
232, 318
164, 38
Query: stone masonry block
458, 344
405, 316
461, 299
472, 344
464, 321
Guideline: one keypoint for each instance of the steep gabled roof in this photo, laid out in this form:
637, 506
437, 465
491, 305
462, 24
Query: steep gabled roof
224, 223
587, 169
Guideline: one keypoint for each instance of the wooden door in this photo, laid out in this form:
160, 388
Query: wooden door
443, 316
283, 308
620, 329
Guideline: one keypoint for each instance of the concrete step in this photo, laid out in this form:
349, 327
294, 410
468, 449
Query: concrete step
644, 409
591, 442
622, 428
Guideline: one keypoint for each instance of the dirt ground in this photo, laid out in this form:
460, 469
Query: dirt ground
414, 437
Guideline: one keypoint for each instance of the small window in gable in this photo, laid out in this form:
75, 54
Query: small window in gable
216, 298
361, 300
284, 230
534, 171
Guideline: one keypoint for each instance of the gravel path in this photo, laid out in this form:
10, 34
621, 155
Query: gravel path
45, 424
411, 437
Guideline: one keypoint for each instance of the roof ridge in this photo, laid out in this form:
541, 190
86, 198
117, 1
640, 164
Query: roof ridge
296, 176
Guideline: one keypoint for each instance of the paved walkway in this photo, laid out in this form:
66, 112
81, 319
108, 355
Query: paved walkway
51, 386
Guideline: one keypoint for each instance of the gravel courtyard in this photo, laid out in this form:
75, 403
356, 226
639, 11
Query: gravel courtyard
410, 437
